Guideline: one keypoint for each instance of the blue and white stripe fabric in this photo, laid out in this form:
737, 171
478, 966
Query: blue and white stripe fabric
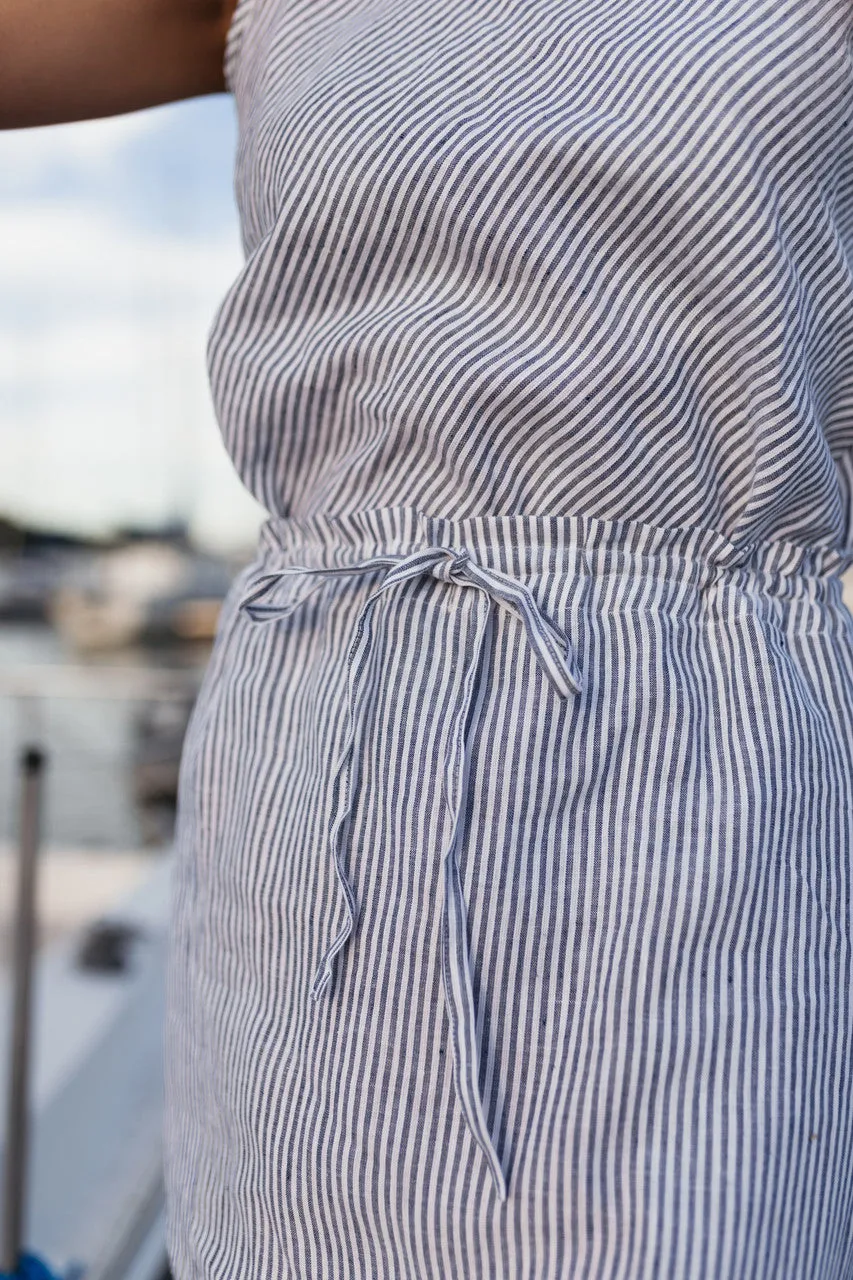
553, 652
513, 923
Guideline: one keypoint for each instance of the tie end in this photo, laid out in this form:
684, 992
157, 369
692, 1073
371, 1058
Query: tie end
571, 687
321, 982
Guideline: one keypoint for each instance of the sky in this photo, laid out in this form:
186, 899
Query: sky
118, 240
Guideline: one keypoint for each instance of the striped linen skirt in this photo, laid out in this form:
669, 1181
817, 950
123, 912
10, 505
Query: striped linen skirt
513, 906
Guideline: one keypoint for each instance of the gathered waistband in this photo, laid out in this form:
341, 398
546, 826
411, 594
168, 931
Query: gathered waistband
560, 554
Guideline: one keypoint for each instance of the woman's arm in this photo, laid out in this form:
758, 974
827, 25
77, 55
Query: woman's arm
77, 59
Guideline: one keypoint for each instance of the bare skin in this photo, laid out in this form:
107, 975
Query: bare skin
66, 60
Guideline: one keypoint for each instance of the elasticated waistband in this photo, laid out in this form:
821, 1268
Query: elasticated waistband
562, 554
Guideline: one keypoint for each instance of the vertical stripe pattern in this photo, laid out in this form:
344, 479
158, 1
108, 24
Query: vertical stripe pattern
513, 915
652, 918
554, 654
545, 257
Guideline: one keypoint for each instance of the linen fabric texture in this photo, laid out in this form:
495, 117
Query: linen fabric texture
512, 929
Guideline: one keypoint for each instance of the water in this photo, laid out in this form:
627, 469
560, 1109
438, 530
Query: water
89, 800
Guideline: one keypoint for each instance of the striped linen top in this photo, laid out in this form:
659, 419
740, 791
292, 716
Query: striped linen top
513, 935
545, 257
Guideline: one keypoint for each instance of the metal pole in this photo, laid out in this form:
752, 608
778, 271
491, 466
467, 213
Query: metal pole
17, 1095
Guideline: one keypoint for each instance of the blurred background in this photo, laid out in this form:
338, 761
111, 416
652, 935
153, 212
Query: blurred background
122, 524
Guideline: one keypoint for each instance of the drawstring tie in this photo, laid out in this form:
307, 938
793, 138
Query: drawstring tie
553, 652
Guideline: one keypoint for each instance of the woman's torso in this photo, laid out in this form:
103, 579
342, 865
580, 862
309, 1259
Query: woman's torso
557, 257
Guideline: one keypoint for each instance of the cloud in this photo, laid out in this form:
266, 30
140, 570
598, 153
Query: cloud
169, 167
69, 249
72, 351
31, 157
107, 291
